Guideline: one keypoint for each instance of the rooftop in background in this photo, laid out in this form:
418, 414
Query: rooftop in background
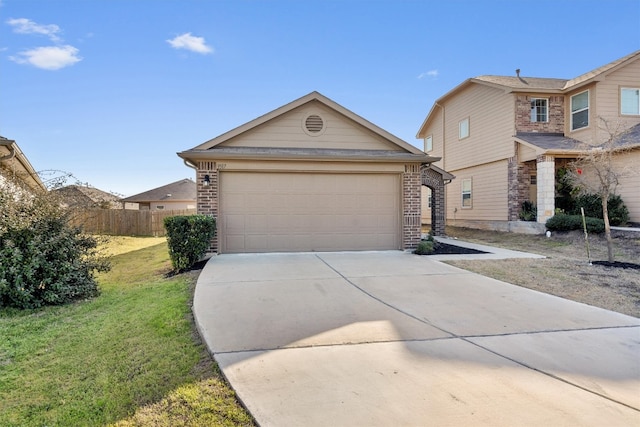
183, 190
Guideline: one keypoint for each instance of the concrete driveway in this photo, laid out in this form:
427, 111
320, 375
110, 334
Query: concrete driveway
392, 339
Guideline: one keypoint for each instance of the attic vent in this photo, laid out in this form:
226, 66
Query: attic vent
314, 123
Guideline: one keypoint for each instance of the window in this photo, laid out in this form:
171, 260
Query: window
580, 110
630, 101
428, 143
463, 128
466, 193
160, 207
539, 110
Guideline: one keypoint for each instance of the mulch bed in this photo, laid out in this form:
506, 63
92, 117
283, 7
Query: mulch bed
617, 264
447, 249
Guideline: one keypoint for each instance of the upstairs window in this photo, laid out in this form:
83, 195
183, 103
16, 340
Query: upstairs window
466, 193
580, 110
630, 101
428, 143
539, 110
463, 128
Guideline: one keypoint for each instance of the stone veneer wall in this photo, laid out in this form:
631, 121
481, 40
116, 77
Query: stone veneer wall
556, 115
546, 187
411, 194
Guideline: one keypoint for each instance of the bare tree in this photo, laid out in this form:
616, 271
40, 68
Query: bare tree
595, 170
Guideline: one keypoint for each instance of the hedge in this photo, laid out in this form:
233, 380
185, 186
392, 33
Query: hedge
188, 237
564, 222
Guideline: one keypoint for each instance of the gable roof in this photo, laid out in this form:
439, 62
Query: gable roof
183, 190
532, 84
213, 146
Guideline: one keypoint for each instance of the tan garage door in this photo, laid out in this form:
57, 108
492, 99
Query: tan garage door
291, 212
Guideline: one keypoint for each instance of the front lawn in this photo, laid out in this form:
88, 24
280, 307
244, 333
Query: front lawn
129, 357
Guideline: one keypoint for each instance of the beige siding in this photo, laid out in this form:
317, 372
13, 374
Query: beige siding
629, 187
424, 203
436, 130
489, 193
168, 206
607, 96
491, 124
287, 131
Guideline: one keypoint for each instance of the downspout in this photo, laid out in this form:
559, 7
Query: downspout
12, 151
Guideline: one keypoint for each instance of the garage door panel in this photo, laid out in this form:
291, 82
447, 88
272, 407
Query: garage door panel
273, 212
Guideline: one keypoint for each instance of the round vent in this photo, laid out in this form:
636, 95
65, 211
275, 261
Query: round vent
314, 124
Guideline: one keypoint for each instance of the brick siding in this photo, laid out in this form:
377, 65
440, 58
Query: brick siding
411, 206
207, 198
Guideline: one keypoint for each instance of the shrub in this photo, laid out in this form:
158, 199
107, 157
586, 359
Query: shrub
188, 238
43, 259
528, 211
426, 246
563, 222
592, 204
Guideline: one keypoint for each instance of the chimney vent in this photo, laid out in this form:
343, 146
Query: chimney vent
518, 72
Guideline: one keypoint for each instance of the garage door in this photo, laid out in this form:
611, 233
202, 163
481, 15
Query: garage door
291, 212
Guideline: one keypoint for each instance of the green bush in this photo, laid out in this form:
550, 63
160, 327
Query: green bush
563, 222
43, 259
426, 246
189, 238
592, 204
528, 211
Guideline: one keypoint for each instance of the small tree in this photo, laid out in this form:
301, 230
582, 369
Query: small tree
595, 172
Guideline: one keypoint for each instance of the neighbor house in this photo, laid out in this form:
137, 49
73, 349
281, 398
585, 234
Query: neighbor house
14, 165
179, 195
505, 137
312, 176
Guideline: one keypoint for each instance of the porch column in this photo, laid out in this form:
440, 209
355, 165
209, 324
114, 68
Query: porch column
546, 167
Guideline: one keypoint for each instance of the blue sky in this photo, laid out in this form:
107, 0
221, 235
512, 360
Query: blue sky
110, 90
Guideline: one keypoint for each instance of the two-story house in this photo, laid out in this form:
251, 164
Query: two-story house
504, 138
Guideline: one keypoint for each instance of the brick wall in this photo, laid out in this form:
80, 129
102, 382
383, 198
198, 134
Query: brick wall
411, 224
207, 200
556, 115
435, 182
518, 187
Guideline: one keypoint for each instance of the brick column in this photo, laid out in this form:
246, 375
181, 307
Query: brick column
411, 224
435, 182
546, 187
207, 202
518, 188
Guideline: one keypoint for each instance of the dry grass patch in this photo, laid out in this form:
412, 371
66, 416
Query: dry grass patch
565, 272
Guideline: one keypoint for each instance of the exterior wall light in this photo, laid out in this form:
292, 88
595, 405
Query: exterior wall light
206, 181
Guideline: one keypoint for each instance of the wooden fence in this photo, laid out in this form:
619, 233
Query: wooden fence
124, 222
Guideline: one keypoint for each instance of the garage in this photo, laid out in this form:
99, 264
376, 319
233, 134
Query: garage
291, 212
309, 176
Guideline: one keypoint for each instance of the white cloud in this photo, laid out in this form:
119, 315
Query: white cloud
189, 42
27, 26
430, 73
48, 58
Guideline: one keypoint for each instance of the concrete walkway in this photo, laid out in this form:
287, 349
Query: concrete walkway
393, 339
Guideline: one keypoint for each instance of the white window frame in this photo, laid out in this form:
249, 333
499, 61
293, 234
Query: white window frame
428, 144
534, 110
637, 112
466, 192
580, 110
464, 128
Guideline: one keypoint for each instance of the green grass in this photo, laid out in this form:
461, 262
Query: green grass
130, 356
